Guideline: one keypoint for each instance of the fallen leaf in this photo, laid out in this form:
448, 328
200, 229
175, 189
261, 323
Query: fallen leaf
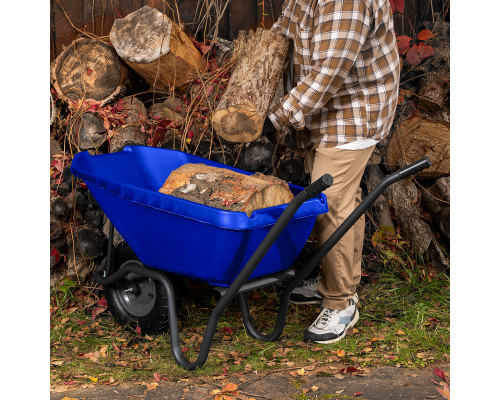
314, 388
157, 377
439, 372
445, 391
339, 391
69, 398
367, 349
358, 393
230, 387
93, 379
400, 333
301, 372
340, 352
151, 386
339, 376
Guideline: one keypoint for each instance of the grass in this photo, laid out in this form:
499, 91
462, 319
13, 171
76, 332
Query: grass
404, 321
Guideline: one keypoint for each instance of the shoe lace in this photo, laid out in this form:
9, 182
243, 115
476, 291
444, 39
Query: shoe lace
325, 316
311, 282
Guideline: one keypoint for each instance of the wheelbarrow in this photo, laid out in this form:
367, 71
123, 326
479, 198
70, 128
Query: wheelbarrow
174, 237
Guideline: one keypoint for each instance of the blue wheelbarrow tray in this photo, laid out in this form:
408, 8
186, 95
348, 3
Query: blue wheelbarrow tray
182, 237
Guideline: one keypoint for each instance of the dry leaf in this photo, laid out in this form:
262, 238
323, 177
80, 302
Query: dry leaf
314, 388
93, 379
230, 387
151, 386
367, 349
301, 372
400, 333
339, 376
340, 352
339, 391
103, 350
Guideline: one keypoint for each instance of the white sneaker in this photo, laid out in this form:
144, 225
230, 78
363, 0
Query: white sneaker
331, 325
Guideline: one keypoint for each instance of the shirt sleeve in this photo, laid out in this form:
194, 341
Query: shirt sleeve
339, 33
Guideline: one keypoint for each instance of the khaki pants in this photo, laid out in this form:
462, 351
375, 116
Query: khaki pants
341, 267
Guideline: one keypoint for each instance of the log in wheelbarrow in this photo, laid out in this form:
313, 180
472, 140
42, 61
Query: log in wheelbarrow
174, 237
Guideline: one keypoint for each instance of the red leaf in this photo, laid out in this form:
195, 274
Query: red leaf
138, 329
398, 5
425, 51
55, 253
184, 349
424, 34
102, 302
403, 43
358, 393
439, 372
413, 56
156, 377
89, 71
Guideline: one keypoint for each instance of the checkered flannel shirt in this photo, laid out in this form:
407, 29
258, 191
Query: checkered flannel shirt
345, 70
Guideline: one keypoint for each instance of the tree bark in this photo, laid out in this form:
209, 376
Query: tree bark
418, 137
240, 114
88, 69
225, 189
404, 198
157, 49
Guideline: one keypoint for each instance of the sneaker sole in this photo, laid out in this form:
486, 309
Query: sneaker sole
351, 324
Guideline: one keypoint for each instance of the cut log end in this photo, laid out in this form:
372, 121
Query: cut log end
142, 36
88, 69
238, 124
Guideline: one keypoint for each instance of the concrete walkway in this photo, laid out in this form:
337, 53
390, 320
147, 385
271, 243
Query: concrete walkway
379, 383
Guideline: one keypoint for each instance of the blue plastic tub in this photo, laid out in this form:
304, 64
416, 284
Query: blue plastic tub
180, 236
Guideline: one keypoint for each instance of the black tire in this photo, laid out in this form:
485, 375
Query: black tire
138, 301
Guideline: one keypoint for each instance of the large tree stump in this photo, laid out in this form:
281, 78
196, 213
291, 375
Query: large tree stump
240, 114
418, 137
88, 69
225, 189
157, 49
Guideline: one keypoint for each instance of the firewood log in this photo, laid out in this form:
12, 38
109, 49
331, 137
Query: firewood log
418, 137
88, 69
382, 213
86, 131
403, 199
225, 189
157, 49
240, 114
130, 133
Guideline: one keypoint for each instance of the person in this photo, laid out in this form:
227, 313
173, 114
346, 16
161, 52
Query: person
341, 102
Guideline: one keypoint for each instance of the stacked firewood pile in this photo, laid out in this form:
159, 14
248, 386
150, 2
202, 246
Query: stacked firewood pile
153, 85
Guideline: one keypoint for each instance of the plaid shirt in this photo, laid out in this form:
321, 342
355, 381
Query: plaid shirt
345, 70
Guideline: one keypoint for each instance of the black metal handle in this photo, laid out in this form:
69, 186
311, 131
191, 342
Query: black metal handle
319, 185
414, 167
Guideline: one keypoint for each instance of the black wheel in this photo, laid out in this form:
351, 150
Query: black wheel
138, 301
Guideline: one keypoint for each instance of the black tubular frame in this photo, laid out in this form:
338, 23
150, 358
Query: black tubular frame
241, 285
